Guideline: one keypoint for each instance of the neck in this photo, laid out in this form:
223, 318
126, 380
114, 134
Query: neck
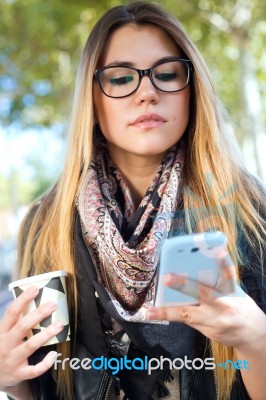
138, 172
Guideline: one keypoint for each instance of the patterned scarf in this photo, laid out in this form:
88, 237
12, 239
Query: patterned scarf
125, 243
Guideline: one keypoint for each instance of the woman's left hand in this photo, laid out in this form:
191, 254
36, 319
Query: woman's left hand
230, 319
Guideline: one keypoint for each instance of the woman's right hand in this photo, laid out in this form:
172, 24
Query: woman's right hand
14, 351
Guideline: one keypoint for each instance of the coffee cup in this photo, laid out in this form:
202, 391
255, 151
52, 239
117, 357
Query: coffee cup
52, 287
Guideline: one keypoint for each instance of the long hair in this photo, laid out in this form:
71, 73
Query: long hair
217, 194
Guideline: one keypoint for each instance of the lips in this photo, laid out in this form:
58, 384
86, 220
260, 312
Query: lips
148, 121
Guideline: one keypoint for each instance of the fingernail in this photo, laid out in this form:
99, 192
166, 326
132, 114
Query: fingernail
52, 356
51, 305
151, 314
174, 281
168, 280
32, 289
58, 325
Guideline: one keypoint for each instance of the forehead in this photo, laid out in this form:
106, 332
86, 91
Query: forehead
140, 45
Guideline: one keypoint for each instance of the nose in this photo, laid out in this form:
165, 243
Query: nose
146, 91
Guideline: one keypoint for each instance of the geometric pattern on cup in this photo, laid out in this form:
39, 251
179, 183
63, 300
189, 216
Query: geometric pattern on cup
18, 291
53, 290
46, 322
62, 336
56, 284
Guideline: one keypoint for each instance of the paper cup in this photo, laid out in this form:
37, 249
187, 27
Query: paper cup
52, 287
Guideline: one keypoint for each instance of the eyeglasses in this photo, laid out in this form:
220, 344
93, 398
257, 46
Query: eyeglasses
121, 81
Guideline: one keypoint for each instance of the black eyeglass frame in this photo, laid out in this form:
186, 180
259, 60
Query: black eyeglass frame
145, 72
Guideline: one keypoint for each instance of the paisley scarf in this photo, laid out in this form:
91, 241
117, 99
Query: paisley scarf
125, 243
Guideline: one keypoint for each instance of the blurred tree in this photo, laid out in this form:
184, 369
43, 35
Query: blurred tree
232, 37
16, 191
40, 43
4, 193
41, 176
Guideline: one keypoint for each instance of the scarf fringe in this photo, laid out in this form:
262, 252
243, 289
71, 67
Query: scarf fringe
167, 377
162, 390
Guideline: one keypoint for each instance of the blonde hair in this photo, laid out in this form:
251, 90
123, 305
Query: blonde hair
218, 192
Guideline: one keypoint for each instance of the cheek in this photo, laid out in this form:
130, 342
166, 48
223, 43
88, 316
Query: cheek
182, 110
100, 109
187, 103
111, 115
108, 120
96, 98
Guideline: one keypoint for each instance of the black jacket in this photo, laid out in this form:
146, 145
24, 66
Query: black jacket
94, 320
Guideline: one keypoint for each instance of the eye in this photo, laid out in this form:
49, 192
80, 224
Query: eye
166, 76
123, 80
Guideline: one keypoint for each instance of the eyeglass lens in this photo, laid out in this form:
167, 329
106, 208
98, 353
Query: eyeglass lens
121, 81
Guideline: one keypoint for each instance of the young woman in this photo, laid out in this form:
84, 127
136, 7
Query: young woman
149, 158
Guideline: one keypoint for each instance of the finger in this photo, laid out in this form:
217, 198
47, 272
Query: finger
33, 371
228, 281
27, 348
227, 278
26, 323
17, 307
199, 291
203, 293
189, 315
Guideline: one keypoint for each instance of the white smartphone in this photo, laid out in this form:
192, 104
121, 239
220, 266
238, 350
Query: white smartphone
193, 256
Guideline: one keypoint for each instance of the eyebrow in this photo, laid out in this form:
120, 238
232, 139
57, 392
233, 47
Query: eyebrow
131, 64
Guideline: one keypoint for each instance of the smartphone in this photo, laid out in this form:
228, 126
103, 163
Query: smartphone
193, 256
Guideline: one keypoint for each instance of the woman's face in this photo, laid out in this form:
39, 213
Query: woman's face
151, 135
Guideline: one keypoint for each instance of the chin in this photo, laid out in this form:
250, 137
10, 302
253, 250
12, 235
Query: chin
154, 149
152, 152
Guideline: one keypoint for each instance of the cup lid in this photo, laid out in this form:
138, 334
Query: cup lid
35, 278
